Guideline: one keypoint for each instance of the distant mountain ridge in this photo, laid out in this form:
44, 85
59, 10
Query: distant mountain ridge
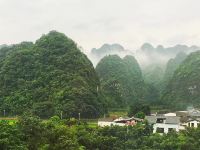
97, 54
107, 48
147, 55
4, 45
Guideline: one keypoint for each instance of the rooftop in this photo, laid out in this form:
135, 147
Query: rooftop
106, 119
168, 119
193, 119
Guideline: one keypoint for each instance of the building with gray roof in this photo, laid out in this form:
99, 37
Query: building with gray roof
164, 124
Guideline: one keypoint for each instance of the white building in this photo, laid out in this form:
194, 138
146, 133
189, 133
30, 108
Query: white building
170, 114
164, 124
119, 122
105, 122
192, 122
189, 118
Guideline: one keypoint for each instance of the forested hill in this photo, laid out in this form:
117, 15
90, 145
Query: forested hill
47, 78
184, 88
121, 80
172, 65
52, 76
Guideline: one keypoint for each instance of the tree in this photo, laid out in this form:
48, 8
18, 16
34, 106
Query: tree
139, 107
140, 114
43, 109
32, 129
59, 136
11, 137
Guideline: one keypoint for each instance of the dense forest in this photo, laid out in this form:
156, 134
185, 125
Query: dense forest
48, 77
121, 80
53, 77
183, 88
172, 65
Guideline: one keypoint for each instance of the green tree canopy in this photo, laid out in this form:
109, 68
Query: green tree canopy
121, 80
49, 77
183, 88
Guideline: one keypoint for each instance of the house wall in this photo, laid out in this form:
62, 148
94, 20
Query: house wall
109, 123
189, 124
118, 124
166, 127
104, 123
170, 114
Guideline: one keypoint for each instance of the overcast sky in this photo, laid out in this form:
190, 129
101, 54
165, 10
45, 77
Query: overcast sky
93, 22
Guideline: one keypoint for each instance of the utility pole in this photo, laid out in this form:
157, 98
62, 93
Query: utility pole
126, 137
61, 115
79, 116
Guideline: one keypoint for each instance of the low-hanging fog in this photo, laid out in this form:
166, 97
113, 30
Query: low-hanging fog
146, 55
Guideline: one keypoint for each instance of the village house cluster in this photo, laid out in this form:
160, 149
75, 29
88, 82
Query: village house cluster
122, 121
162, 123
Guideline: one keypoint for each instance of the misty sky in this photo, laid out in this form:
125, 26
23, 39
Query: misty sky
93, 22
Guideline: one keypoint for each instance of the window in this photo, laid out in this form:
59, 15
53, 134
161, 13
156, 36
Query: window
160, 130
160, 120
192, 124
171, 129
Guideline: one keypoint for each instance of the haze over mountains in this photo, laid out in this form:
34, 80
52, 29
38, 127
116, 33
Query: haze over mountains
108, 49
4, 45
159, 76
147, 55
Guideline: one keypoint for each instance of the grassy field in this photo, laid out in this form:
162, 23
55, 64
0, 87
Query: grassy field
113, 114
159, 109
91, 122
10, 120
117, 113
